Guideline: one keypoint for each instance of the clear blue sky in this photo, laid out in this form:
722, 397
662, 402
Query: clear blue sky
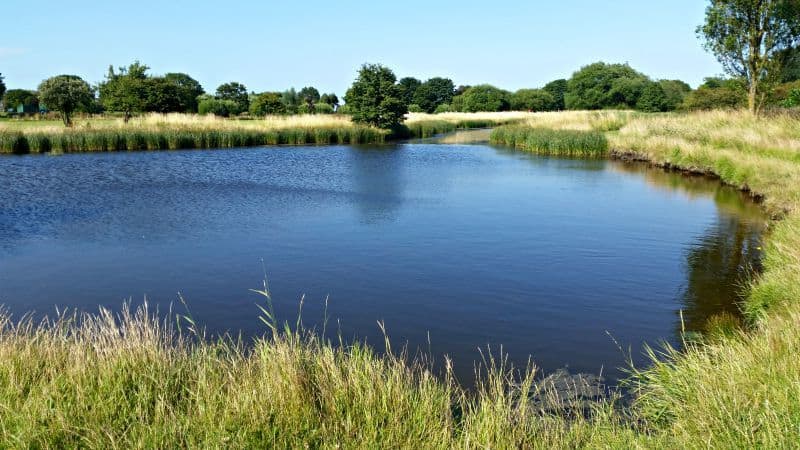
275, 45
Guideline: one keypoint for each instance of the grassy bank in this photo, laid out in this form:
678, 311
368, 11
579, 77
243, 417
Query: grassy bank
184, 131
100, 382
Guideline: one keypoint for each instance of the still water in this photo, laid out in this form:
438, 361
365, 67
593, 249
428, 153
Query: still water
454, 247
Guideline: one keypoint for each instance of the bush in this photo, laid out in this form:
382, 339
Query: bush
533, 100
443, 108
267, 103
323, 108
652, 99
221, 108
414, 108
604, 86
486, 97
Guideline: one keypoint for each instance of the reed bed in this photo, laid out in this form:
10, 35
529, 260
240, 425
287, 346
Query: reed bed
545, 141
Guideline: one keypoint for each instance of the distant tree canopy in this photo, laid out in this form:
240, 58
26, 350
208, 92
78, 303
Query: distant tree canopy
533, 100
432, 93
309, 97
717, 93
234, 92
267, 103
375, 98
557, 88
791, 65
675, 92
330, 99
601, 86
652, 98
409, 86
485, 97
66, 94
2, 86
750, 39
208, 104
16, 97
188, 90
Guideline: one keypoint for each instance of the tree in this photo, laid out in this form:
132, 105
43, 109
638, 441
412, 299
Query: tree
235, 92
2, 86
66, 94
532, 100
162, 96
749, 38
652, 99
208, 104
409, 86
125, 91
375, 98
309, 96
434, 92
486, 97
601, 85
717, 93
331, 99
267, 103
16, 97
291, 100
188, 90
557, 88
675, 92
791, 65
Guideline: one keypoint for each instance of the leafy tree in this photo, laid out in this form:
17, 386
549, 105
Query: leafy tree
486, 97
291, 100
749, 38
791, 65
162, 96
443, 108
652, 99
267, 103
188, 90
601, 85
675, 92
16, 97
309, 96
434, 92
461, 89
125, 91
323, 108
557, 88
375, 98
532, 100
457, 104
66, 94
410, 86
2, 86
415, 108
235, 92
331, 99
207, 104
717, 93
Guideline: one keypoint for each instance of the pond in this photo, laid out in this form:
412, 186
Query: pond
455, 248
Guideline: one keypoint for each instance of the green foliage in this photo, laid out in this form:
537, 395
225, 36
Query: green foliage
66, 94
793, 100
309, 96
125, 91
750, 38
291, 100
162, 96
331, 99
222, 108
545, 141
652, 99
16, 97
267, 103
323, 108
533, 100
716, 93
237, 93
557, 88
457, 104
434, 92
415, 108
409, 86
603, 86
443, 108
675, 92
486, 97
188, 90
2, 86
790, 59
375, 99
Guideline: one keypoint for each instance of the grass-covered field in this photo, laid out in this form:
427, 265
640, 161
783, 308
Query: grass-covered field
185, 131
100, 382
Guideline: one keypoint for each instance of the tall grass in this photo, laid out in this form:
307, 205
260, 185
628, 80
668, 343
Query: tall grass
182, 131
544, 141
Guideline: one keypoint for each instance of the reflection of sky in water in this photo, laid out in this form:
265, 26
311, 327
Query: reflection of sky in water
473, 244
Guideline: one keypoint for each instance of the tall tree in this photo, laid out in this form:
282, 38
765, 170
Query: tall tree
434, 92
126, 90
375, 98
330, 99
409, 86
749, 38
188, 90
235, 92
557, 88
309, 95
66, 94
2, 86
16, 97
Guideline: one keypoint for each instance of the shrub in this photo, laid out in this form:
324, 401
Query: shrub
533, 100
652, 99
323, 108
486, 97
267, 103
443, 108
414, 108
221, 108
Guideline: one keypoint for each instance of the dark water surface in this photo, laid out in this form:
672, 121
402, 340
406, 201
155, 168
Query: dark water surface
468, 244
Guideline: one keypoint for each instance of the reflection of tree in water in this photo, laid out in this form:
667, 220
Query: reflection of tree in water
718, 266
378, 182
